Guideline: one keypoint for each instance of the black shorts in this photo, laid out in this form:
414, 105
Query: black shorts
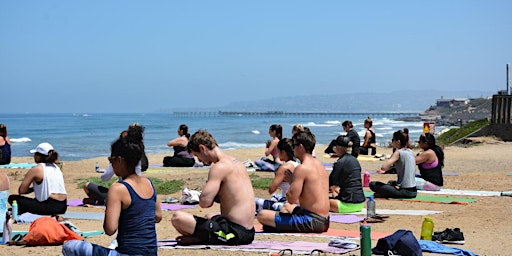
97, 192
219, 230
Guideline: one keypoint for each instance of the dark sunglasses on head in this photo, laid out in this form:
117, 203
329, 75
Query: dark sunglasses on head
111, 158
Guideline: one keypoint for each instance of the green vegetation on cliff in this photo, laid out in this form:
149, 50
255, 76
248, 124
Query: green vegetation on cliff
456, 134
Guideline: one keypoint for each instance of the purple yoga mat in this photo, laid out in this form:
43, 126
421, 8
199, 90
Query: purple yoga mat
346, 219
76, 202
267, 246
175, 207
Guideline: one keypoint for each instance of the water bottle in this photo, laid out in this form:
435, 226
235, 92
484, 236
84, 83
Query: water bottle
97, 167
7, 231
370, 207
427, 228
15, 210
366, 179
366, 240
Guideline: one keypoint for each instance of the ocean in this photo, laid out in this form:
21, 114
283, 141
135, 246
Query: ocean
83, 136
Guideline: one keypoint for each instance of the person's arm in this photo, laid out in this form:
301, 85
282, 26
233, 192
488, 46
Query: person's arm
296, 180
108, 173
180, 141
211, 189
278, 178
34, 174
158, 212
425, 157
387, 165
113, 209
273, 144
367, 136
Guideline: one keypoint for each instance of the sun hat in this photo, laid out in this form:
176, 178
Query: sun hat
42, 148
343, 141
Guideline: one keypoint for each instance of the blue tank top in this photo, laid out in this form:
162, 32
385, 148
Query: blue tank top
6, 153
136, 232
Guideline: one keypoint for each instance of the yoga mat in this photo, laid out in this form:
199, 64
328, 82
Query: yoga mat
440, 200
346, 219
397, 212
84, 215
298, 247
83, 234
175, 207
75, 202
431, 199
18, 165
418, 175
462, 192
331, 232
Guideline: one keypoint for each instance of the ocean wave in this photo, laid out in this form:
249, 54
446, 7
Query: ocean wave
236, 145
255, 131
313, 124
20, 140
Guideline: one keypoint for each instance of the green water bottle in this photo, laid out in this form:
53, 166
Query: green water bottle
427, 228
366, 240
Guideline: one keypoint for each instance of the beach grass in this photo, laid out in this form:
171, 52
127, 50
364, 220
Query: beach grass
162, 187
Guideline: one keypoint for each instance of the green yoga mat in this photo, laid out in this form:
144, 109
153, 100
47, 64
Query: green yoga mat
433, 199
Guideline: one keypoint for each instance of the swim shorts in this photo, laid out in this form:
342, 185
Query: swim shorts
219, 230
301, 220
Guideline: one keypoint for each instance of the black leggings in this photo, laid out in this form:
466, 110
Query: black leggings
384, 190
48, 207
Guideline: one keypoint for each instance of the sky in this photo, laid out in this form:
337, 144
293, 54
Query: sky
145, 56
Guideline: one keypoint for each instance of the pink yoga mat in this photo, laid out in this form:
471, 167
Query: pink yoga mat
346, 219
266, 246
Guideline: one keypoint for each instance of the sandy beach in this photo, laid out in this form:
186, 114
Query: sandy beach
486, 223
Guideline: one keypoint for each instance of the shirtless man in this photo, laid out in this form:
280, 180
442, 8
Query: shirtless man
309, 185
229, 185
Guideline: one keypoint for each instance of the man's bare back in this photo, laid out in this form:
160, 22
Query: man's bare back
314, 195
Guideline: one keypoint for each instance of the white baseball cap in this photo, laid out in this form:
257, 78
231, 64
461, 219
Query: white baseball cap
42, 148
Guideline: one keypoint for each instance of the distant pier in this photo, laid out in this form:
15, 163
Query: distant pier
290, 114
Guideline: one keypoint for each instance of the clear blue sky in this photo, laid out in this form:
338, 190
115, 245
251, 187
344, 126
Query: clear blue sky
142, 56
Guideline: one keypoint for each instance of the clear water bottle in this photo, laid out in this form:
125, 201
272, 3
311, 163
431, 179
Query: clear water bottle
15, 210
370, 207
427, 228
97, 167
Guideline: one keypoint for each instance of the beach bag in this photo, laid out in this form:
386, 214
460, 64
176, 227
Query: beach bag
47, 231
401, 242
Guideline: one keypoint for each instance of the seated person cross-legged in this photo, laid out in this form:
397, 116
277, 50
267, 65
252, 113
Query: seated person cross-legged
345, 180
430, 163
308, 186
47, 184
404, 161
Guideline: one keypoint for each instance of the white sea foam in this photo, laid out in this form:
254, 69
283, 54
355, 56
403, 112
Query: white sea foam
236, 145
20, 140
255, 131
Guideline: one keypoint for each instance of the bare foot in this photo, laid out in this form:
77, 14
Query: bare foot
187, 240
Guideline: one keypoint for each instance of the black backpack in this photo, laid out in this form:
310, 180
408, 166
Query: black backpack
401, 242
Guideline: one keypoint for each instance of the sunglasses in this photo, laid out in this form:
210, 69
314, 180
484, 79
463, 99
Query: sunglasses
111, 158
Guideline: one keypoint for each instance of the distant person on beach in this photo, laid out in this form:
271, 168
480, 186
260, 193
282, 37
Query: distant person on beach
97, 195
289, 163
229, 185
345, 180
276, 132
369, 146
47, 184
297, 128
181, 157
132, 208
405, 163
430, 163
348, 127
5, 146
308, 187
